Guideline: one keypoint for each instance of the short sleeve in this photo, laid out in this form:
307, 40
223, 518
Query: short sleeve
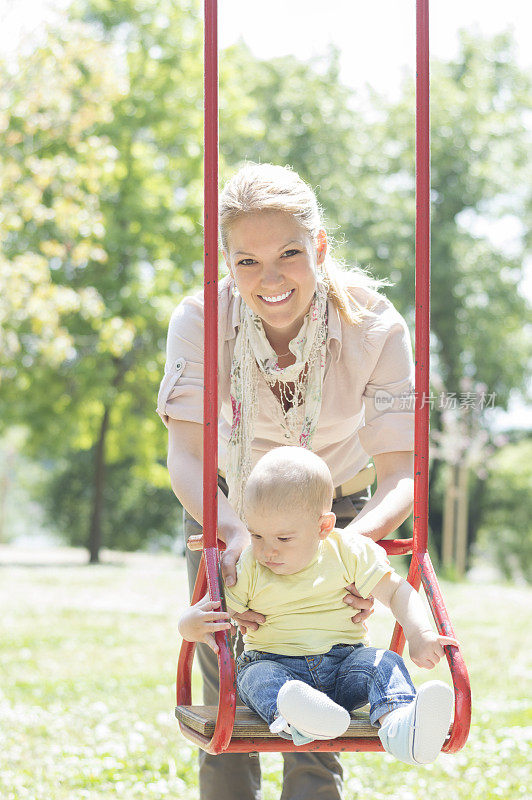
237, 597
181, 390
388, 396
367, 561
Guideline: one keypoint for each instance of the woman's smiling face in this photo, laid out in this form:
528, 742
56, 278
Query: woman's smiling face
273, 262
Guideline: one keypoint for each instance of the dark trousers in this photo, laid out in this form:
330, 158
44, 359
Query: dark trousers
236, 776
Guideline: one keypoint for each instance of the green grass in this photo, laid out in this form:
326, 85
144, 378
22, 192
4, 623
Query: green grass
87, 659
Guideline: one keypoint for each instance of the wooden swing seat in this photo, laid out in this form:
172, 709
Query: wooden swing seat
249, 725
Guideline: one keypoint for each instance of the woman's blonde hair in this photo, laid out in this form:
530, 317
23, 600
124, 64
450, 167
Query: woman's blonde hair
267, 187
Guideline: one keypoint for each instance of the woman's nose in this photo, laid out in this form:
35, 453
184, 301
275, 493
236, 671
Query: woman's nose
271, 275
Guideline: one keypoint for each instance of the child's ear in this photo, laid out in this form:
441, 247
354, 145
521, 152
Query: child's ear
326, 523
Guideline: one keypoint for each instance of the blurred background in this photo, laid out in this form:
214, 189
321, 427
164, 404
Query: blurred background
101, 213
101, 236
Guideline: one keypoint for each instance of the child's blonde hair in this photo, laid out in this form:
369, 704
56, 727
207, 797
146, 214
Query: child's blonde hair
289, 478
262, 187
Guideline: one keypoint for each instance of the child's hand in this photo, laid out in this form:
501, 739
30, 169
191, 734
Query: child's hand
426, 648
200, 622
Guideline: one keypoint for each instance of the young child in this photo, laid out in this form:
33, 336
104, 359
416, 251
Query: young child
307, 666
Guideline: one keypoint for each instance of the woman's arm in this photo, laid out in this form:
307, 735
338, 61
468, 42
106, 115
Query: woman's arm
185, 465
390, 505
393, 500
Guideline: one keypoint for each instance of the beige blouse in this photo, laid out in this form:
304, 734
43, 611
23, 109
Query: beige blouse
367, 406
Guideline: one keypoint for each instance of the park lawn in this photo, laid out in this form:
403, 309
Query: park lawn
87, 659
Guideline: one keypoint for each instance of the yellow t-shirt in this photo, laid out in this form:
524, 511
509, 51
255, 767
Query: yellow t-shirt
304, 612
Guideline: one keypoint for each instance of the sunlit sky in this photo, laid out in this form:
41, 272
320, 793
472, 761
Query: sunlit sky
376, 39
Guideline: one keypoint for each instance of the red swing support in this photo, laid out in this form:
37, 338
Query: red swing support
216, 730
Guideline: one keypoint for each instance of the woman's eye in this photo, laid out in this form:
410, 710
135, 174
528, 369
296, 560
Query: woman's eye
246, 262
284, 539
255, 536
290, 253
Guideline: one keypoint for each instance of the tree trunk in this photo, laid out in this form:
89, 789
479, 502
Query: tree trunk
461, 520
95, 532
449, 508
435, 509
477, 507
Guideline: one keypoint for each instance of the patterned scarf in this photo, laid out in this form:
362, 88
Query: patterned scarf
254, 354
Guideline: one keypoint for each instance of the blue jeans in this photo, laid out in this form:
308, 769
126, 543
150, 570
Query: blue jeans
351, 675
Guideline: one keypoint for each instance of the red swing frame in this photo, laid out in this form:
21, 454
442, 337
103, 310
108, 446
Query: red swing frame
421, 569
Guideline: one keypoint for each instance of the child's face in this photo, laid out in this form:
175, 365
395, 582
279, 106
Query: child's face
286, 542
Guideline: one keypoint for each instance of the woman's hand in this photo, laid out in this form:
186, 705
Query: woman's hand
355, 600
248, 619
201, 621
234, 545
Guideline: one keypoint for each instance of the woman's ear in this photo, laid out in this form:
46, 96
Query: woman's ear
321, 246
326, 522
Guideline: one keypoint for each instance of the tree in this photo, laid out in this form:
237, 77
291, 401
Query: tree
480, 176
105, 188
364, 171
148, 182
505, 525
480, 180
102, 206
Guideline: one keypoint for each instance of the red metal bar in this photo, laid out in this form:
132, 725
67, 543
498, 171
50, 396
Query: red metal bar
398, 641
227, 696
461, 685
210, 395
251, 745
186, 653
421, 442
394, 547
339, 745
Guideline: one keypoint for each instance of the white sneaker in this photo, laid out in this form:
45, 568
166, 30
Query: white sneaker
311, 712
415, 733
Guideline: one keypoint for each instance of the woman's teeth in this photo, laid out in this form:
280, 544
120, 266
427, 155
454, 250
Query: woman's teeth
278, 298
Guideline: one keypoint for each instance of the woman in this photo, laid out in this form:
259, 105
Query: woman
308, 355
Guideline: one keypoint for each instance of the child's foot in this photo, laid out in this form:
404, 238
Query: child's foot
287, 731
415, 733
308, 713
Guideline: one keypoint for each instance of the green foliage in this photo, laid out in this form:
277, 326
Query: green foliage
101, 232
479, 170
363, 167
102, 193
506, 521
105, 241
136, 513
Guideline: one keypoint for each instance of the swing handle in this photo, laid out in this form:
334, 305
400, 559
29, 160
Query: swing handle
394, 547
